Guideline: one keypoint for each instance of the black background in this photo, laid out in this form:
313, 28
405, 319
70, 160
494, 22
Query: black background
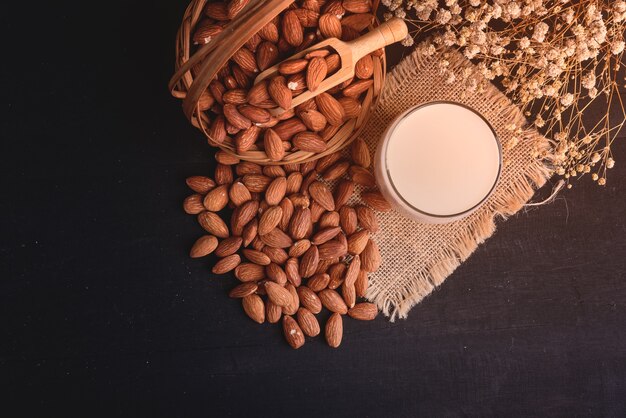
103, 313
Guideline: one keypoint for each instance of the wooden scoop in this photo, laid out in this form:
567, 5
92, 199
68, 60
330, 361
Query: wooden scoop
392, 31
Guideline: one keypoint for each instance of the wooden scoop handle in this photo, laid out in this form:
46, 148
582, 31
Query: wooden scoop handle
390, 32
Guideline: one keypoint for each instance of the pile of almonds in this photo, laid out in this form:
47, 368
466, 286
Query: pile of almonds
238, 110
295, 244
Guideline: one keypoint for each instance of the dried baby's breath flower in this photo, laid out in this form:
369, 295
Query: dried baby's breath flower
553, 58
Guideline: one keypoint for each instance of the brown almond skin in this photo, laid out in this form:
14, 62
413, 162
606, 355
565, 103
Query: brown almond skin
200, 184
276, 255
310, 142
276, 274
254, 308
325, 235
291, 67
294, 303
294, 182
217, 199
203, 246
370, 257
273, 145
292, 29
256, 257
309, 262
330, 108
363, 311
249, 232
213, 224
300, 223
309, 299
364, 68
334, 330
293, 332
292, 272
336, 171
352, 272
316, 73
361, 284
367, 218
360, 153
287, 206
337, 273
277, 238
313, 120
348, 219
322, 195
330, 26
226, 264
239, 193
228, 246
329, 219
274, 171
308, 323
223, 174
333, 301
276, 191
348, 292
266, 55
270, 219
376, 201
193, 204
249, 272
279, 92
277, 294
332, 249
362, 176
343, 193
273, 312
358, 241
357, 6
243, 290
318, 282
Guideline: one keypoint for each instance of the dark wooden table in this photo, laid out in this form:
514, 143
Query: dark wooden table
103, 313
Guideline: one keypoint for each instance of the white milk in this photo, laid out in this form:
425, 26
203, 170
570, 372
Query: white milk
438, 162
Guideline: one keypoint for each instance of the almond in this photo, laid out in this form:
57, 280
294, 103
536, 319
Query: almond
287, 206
376, 201
255, 114
317, 211
266, 55
287, 129
234, 117
273, 312
330, 26
309, 299
246, 60
276, 191
332, 249
217, 130
216, 10
351, 107
228, 246
364, 68
269, 32
294, 66
352, 272
217, 90
239, 194
235, 96
329, 219
253, 42
316, 73
336, 171
258, 93
213, 224
276, 255
257, 244
357, 87
206, 101
242, 77
337, 273
333, 63
246, 138
309, 262
270, 219
275, 273
292, 29
334, 330
299, 248
242, 215
216, 199
343, 193
330, 108
192, 205
313, 120
203, 246
325, 235
254, 308
371, 257
294, 302
361, 284
273, 145
292, 272
307, 167
293, 333
310, 142
226, 264
318, 282
300, 223
243, 290
357, 6
360, 153
322, 195
274, 171
276, 238
277, 294
256, 183
249, 272
257, 257
308, 18
200, 184
313, 5
367, 218
308, 322
246, 167
333, 301
358, 241
205, 32
349, 294
359, 22
307, 181
348, 219
294, 181
363, 311
223, 174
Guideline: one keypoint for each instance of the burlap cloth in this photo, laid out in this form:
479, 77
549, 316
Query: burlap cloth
417, 257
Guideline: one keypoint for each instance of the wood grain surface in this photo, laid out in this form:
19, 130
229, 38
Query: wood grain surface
103, 313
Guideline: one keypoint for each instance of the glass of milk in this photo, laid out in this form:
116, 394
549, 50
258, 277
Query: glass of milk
438, 162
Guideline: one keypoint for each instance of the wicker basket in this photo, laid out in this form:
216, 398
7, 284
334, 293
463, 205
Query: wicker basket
194, 73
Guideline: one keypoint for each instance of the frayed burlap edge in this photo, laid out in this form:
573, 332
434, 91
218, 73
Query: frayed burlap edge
506, 201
